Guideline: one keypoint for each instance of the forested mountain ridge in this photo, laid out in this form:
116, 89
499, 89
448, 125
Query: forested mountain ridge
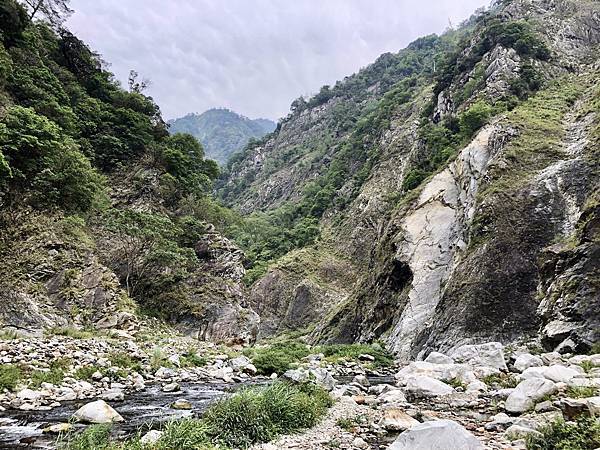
103, 213
221, 131
449, 191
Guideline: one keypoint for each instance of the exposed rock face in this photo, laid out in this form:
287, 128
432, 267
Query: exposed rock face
438, 434
216, 308
483, 250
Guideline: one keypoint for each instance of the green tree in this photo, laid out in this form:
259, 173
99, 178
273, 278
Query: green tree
46, 167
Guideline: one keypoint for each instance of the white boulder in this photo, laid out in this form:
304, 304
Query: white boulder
424, 386
490, 354
97, 412
525, 361
527, 393
438, 435
438, 358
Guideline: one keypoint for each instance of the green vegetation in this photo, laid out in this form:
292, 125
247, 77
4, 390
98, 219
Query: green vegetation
350, 423
501, 380
277, 358
124, 360
580, 435
192, 359
10, 376
71, 332
281, 356
252, 415
581, 391
159, 359
340, 352
8, 335
222, 132
456, 383
86, 372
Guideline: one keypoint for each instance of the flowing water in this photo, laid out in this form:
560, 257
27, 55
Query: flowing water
141, 410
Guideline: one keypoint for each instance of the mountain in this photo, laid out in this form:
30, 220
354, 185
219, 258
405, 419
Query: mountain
222, 132
446, 194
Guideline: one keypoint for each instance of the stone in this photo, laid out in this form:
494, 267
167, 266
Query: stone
490, 354
533, 372
181, 404
515, 432
558, 373
113, 395
395, 419
171, 387
545, 407
525, 361
97, 412
29, 394
239, 364
438, 358
175, 360
527, 393
392, 396
97, 375
59, 428
478, 386
323, 378
139, 383
572, 408
165, 372
427, 387
365, 357
361, 380
499, 422
360, 443
438, 435
250, 369
594, 405
151, 437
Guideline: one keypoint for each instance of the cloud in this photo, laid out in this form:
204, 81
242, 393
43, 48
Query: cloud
253, 56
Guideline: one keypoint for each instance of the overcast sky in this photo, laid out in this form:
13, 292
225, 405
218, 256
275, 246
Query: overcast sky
253, 56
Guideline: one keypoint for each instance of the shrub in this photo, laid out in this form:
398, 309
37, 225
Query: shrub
474, 118
86, 372
192, 359
53, 376
581, 391
580, 435
124, 361
71, 332
259, 414
500, 379
414, 178
337, 352
278, 357
10, 376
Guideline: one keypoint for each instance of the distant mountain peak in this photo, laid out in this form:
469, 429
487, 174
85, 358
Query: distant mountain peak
221, 131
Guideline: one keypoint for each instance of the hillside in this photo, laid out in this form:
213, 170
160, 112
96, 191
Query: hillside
221, 132
409, 259
446, 207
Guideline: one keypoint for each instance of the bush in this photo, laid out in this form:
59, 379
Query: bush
580, 435
337, 352
260, 414
474, 118
10, 376
124, 361
278, 357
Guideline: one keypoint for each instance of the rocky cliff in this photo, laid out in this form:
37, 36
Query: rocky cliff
470, 212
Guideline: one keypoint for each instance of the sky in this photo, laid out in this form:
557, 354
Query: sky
252, 56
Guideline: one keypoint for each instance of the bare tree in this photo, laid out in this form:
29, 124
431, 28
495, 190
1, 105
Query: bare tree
135, 85
54, 11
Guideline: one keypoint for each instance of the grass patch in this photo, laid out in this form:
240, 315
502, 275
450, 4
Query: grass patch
71, 332
86, 372
581, 391
456, 383
281, 356
277, 358
124, 360
10, 376
587, 366
502, 380
193, 359
252, 415
8, 335
159, 359
341, 352
580, 435
350, 423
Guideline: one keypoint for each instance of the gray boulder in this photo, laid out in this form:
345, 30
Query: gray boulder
490, 354
97, 412
438, 358
527, 393
436, 435
422, 386
525, 361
